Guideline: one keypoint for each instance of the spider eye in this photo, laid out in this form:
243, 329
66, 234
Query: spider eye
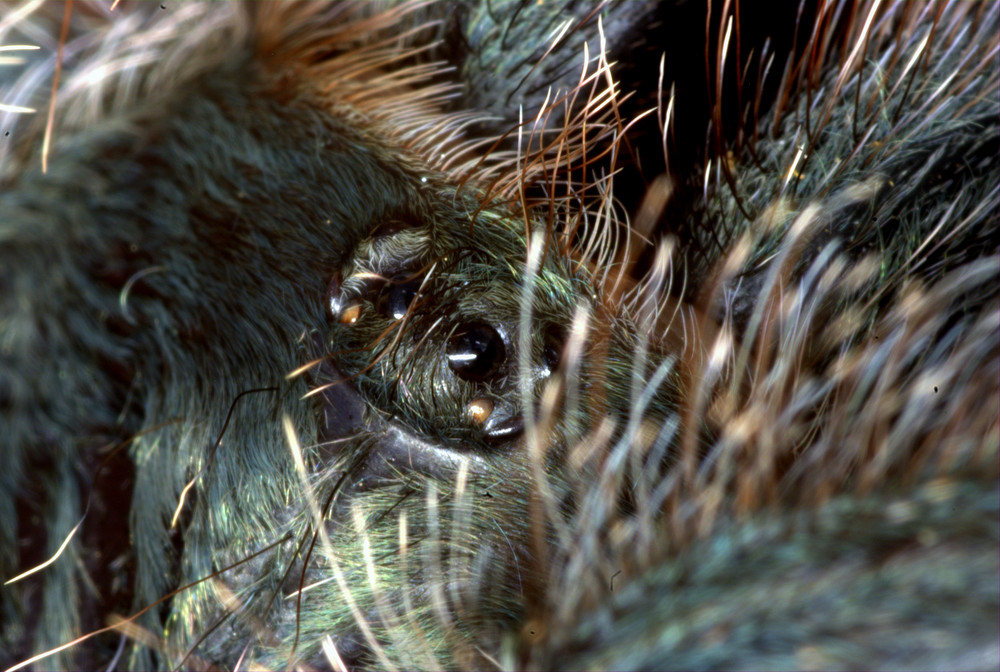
396, 297
555, 340
475, 351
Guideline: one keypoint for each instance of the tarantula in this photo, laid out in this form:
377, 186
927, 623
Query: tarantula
430, 335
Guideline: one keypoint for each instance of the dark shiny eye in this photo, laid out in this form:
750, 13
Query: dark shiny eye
555, 341
475, 351
396, 297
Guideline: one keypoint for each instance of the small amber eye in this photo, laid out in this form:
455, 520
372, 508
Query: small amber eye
350, 314
338, 308
479, 410
476, 351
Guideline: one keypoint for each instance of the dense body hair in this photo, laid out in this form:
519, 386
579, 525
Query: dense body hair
332, 335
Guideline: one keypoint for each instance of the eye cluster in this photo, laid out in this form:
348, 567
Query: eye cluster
475, 350
430, 342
